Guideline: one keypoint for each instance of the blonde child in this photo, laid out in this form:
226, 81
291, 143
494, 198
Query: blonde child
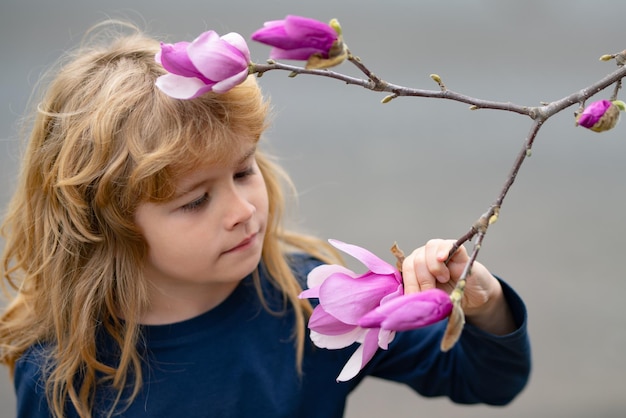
152, 275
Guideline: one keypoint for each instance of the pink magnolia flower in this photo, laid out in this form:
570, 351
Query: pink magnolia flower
209, 63
344, 298
601, 116
409, 311
300, 38
296, 37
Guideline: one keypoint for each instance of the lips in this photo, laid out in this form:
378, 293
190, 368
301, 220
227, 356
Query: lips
243, 244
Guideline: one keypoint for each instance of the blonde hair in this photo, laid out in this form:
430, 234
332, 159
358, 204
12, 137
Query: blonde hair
105, 139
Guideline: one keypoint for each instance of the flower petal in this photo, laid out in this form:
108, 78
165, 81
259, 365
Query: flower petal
219, 63
352, 366
310, 293
180, 87
301, 54
175, 59
371, 261
409, 311
215, 58
324, 323
360, 357
319, 274
348, 299
296, 37
310, 32
273, 33
593, 112
334, 342
385, 336
239, 43
228, 83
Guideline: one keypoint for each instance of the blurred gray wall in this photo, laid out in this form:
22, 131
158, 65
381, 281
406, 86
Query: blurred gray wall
414, 169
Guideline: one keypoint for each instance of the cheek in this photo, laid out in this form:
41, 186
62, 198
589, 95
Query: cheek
262, 199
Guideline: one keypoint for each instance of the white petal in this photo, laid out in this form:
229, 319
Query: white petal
334, 342
352, 367
230, 82
320, 273
180, 87
385, 337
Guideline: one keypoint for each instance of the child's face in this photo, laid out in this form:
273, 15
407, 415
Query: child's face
210, 236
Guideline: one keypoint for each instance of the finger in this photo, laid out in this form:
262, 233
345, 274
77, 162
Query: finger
409, 275
425, 277
436, 255
458, 260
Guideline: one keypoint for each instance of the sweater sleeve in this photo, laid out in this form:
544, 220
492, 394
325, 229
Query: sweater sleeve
480, 368
29, 387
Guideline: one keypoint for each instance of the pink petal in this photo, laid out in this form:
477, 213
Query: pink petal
592, 113
348, 299
180, 87
310, 293
398, 292
272, 33
324, 323
310, 30
239, 43
371, 261
175, 59
319, 274
301, 54
409, 311
296, 33
215, 58
370, 346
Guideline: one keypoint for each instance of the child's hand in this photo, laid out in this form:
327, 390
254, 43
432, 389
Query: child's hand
483, 302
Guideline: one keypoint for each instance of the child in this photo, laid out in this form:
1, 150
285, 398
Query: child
153, 276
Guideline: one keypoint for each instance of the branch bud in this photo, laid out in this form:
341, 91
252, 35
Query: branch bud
437, 80
334, 23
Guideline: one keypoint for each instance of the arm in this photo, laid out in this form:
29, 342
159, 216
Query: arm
490, 363
481, 368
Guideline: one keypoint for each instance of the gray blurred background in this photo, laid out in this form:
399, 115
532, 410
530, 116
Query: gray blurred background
414, 169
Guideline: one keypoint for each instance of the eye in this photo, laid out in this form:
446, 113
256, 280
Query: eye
196, 204
244, 173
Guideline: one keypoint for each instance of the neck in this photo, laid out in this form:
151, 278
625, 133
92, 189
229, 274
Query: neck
174, 304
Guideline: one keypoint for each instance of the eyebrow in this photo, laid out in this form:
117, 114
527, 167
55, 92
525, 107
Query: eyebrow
195, 184
247, 155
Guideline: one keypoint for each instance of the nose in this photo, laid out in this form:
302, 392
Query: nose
239, 209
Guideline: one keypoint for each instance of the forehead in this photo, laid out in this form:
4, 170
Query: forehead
223, 149
199, 171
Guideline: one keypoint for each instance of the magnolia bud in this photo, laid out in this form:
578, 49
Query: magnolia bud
601, 116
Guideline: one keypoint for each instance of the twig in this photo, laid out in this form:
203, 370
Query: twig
539, 115
376, 84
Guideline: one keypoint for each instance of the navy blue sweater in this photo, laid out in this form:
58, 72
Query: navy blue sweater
238, 360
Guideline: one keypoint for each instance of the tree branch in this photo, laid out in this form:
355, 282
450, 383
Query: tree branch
538, 114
